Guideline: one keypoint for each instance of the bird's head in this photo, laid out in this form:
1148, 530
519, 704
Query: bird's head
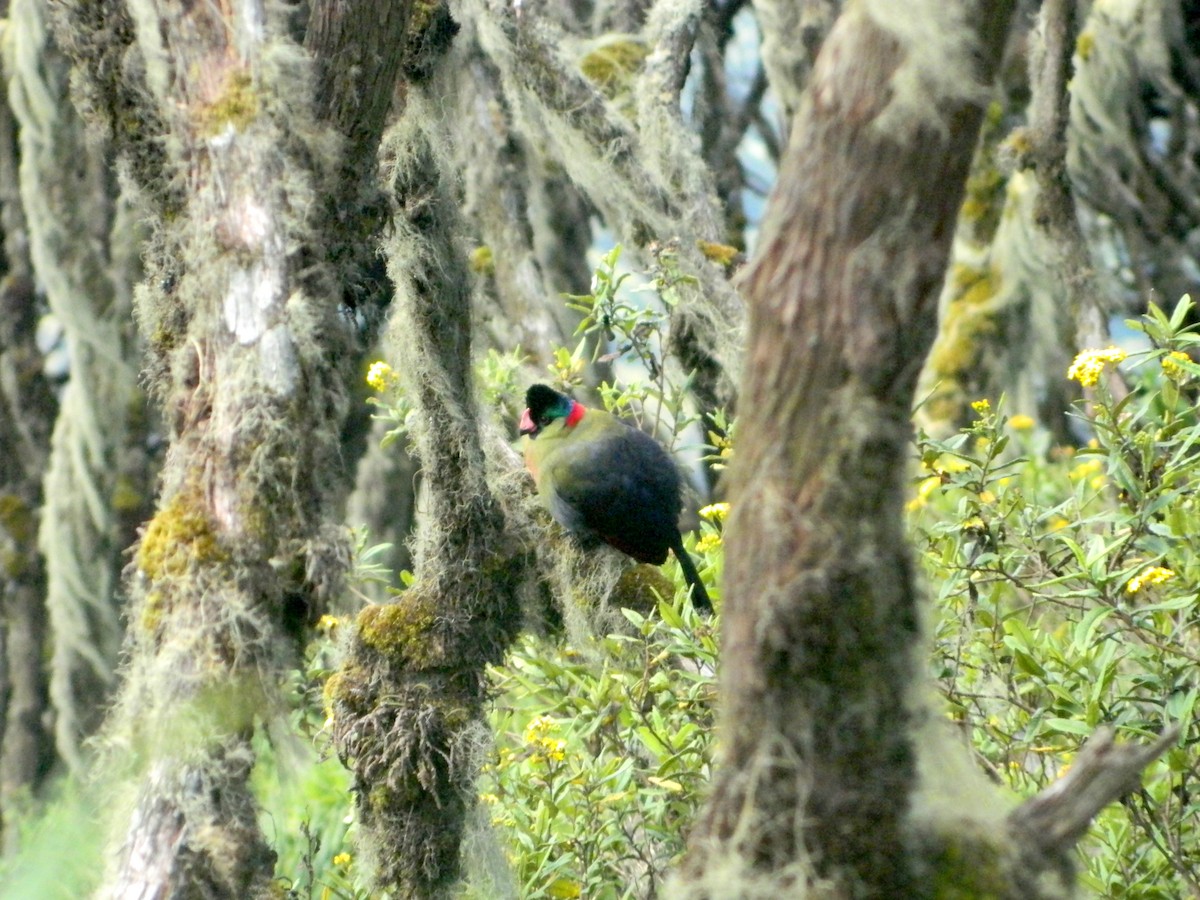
544, 405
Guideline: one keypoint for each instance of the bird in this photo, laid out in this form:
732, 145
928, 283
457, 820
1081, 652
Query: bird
606, 481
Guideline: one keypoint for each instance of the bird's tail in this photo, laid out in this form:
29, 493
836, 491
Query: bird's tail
700, 599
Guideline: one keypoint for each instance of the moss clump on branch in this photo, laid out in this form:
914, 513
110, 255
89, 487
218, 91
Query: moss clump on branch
613, 66
17, 519
641, 587
403, 631
236, 106
180, 535
482, 261
968, 316
721, 254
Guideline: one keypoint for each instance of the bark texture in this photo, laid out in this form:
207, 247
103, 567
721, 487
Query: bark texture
821, 612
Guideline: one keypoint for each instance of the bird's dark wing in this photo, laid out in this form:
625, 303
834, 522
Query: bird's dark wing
623, 489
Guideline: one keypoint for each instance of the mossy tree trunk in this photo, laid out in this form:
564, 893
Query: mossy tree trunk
409, 701
83, 246
252, 162
821, 605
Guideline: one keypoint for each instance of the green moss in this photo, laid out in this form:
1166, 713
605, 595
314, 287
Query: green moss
126, 497
641, 587
722, 254
612, 66
349, 688
17, 519
984, 197
482, 262
968, 317
152, 611
1084, 45
12, 563
237, 105
180, 535
969, 868
402, 630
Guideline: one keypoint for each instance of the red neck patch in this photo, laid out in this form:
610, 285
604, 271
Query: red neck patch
576, 413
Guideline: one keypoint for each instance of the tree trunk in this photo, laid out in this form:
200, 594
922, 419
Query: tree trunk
85, 254
253, 195
821, 614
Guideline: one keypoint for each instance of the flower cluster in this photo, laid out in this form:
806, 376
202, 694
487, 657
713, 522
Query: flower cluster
1172, 368
538, 735
381, 376
1151, 575
1088, 365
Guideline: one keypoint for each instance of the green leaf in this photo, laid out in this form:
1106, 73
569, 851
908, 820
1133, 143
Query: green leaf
1085, 628
1068, 726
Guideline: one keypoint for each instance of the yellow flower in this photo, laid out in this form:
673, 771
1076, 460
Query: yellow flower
1089, 364
538, 728
1021, 422
1086, 469
1150, 575
987, 497
554, 748
1057, 523
708, 542
342, 859
948, 465
925, 487
715, 512
381, 376
328, 624
1172, 369
982, 406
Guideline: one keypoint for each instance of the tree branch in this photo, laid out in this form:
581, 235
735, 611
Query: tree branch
1049, 114
1047, 826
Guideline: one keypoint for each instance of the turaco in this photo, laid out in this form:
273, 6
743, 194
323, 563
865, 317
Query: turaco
604, 480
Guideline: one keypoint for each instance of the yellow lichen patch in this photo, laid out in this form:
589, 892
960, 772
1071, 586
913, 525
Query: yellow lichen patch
482, 261
180, 535
968, 318
236, 106
984, 196
721, 254
611, 66
152, 611
402, 630
1084, 45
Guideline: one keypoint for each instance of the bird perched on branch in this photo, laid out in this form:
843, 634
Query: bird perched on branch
604, 480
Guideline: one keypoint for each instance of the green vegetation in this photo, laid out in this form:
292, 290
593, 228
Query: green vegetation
1063, 590
1063, 582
